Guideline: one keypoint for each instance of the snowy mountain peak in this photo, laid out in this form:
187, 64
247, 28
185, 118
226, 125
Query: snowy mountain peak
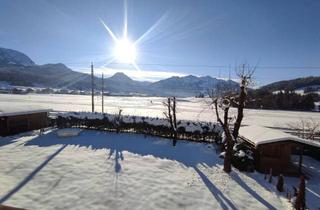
120, 77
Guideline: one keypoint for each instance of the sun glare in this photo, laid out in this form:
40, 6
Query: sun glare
125, 51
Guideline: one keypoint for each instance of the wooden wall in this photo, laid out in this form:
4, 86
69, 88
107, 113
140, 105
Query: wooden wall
20, 123
275, 155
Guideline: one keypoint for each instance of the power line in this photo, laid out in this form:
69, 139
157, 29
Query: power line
317, 68
225, 66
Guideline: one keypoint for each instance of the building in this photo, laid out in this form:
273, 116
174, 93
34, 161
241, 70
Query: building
273, 149
20, 119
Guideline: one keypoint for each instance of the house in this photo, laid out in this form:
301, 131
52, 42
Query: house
273, 148
20, 119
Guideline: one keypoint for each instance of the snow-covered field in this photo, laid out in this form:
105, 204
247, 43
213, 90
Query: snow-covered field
101, 170
188, 108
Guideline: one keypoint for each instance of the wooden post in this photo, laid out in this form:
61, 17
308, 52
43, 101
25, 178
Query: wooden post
102, 94
92, 88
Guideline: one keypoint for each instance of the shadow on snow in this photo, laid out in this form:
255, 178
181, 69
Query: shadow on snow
190, 154
31, 175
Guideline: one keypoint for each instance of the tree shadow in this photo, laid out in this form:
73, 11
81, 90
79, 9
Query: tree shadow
31, 175
118, 156
190, 154
254, 194
224, 202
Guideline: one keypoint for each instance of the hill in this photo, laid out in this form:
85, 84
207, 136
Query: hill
13, 57
17, 69
191, 85
290, 85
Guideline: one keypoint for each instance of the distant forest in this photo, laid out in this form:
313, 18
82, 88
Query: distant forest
291, 85
284, 100
283, 95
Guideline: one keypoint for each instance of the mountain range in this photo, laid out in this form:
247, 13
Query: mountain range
17, 69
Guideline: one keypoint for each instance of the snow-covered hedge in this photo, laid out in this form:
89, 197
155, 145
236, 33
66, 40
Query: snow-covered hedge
242, 157
200, 131
242, 154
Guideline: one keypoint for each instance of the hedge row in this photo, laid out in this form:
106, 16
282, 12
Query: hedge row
195, 131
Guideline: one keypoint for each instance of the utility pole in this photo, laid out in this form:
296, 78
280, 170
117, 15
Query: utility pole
218, 84
102, 94
229, 79
92, 88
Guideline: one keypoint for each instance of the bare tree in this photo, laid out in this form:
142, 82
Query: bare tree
174, 114
167, 113
118, 120
170, 115
228, 99
244, 73
306, 128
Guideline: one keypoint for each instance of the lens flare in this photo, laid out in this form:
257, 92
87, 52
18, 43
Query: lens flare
125, 51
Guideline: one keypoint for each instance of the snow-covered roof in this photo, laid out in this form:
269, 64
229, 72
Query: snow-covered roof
20, 110
261, 135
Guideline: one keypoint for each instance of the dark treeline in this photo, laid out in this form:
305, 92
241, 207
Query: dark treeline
284, 100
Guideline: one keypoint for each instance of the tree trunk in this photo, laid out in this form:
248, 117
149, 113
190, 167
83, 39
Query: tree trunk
228, 156
170, 116
169, 112
225, 126
175, 130
237, 124
174, 112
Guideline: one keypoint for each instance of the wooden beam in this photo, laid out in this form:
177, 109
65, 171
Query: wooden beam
301, 158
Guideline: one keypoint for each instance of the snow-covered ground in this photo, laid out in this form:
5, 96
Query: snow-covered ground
188, 108
101, 170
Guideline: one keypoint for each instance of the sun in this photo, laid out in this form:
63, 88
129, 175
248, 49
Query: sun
125, 51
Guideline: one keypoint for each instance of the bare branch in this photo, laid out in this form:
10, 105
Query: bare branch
305, 128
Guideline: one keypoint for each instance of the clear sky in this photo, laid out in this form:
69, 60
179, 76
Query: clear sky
199, 37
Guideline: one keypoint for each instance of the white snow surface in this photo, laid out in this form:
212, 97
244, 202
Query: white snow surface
195, 109
262, 135
102, 170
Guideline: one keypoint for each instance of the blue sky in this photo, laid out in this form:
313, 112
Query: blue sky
199, 37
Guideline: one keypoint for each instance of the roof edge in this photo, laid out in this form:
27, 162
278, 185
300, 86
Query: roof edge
25, 112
